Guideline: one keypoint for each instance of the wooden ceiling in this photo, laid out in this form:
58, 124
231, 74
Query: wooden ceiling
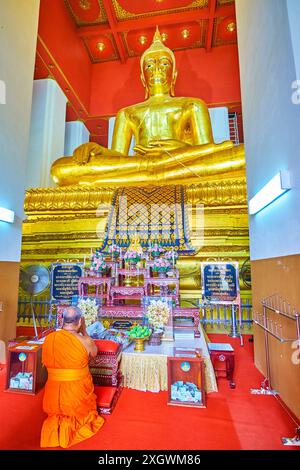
118, 29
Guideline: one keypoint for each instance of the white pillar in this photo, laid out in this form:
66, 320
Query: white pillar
47, 132
17, 55
76, 134
220, 124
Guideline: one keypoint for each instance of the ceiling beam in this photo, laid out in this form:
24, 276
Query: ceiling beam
112, 21
210, 29
152, 21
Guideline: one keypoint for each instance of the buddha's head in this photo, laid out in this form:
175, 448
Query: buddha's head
158, 68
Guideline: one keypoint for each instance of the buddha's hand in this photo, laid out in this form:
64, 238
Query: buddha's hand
156, 147
84, 152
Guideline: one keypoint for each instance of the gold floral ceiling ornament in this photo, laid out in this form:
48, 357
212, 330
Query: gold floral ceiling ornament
143, 39
185, 33
100, 46
84, 4
231, 27
164, 37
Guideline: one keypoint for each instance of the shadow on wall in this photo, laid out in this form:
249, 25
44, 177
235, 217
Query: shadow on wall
196, 85
131, 91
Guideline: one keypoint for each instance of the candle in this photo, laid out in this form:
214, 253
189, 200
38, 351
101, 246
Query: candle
173, 257
84, 260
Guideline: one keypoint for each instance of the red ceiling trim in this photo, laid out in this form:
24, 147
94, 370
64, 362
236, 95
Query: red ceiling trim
113, 23
162, 20
212, 14
55, 70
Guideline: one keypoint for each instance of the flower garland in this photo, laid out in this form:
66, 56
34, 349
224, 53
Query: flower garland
89, 310
158, 313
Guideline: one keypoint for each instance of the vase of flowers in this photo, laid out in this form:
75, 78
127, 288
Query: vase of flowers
158, 314
114, 251
89, 310
156, 250
132, 257
98, 265
172, 256
161, 266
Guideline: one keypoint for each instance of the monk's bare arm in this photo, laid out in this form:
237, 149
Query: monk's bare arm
87, 340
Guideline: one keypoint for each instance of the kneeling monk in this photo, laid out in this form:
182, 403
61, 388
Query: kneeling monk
69, 398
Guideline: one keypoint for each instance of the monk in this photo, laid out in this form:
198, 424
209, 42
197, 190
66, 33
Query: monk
69, 398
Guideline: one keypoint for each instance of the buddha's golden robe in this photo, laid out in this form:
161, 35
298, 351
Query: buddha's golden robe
69, 398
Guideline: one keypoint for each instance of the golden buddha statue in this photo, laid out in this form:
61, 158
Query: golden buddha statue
173, 135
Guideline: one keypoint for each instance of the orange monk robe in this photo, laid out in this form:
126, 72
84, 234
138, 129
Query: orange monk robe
69, 398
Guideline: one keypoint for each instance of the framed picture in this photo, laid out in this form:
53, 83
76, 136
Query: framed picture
220, 282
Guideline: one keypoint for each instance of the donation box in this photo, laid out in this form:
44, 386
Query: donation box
186, 380
25, 372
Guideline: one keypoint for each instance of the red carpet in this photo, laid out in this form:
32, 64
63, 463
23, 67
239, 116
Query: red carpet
233, 419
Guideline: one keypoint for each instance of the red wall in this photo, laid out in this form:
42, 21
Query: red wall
58, 31
212, 76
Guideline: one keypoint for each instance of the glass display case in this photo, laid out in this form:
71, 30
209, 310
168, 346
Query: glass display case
25, 372
186, 379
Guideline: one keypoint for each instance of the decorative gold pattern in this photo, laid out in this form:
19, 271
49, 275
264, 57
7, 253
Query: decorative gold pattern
185, 33
101, 46
219, 41
231, 27
84, 4
211, 194
123, 15
102, 18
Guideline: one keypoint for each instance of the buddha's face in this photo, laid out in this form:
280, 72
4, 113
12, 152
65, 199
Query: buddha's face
158, 71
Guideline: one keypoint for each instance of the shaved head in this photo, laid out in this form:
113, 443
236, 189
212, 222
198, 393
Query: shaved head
71, 315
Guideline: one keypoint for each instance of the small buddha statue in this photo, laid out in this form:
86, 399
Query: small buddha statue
173, 135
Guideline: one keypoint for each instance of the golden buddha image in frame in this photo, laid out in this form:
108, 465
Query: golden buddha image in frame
173, 138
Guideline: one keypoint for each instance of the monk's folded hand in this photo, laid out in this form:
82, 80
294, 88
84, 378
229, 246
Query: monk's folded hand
83, 327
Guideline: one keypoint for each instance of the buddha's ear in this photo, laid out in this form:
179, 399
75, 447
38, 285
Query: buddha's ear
172, 91
145, 86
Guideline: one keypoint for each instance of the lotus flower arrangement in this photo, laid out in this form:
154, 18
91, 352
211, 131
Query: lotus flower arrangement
156, 250
133, 256
158, 313
89, 310
161, 265
171, 255
97, 263
114, 250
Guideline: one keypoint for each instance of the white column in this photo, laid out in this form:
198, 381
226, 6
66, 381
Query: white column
293, 7
47, 132
17, 55
220, 124
76, 134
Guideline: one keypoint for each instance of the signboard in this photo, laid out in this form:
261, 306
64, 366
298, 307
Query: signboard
64, 280
220, 282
